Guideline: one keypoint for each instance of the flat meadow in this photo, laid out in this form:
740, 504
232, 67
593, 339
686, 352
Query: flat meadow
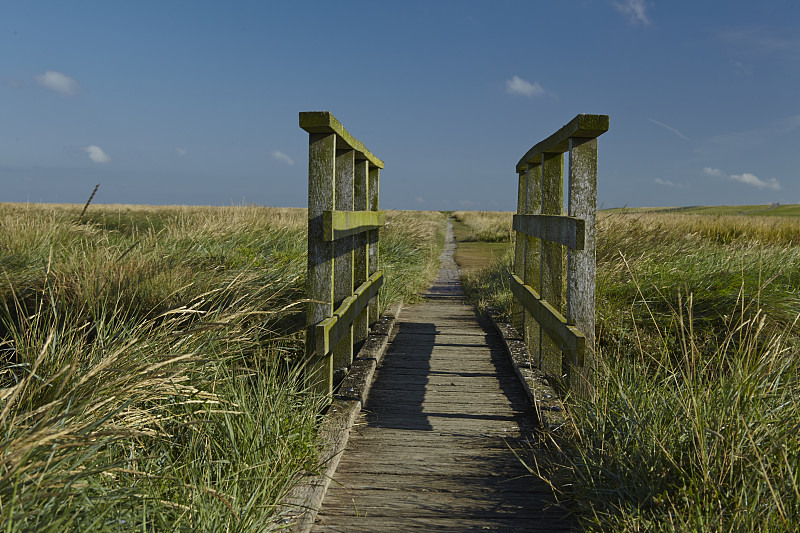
694, 422
150, 362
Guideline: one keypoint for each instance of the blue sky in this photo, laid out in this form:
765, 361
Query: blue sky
197, 102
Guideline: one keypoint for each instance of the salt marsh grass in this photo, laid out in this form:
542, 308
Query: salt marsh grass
150, 363
487, 226
694, 423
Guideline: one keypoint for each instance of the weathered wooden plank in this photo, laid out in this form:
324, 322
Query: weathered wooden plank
334, 328
520, 249
554, 324
581, 265
588, 126
342, 349
361, 249
319, 281
552, 264
533, 256
566, 231
323, 122
339, 224
372, 524
373, 236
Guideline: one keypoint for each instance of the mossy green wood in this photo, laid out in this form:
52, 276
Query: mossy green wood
532, 333
520, 244
324, 122
552, 263
563, 230
373, 236
553, 323
333, 329
340, 224
581, 264
361, 251
585, 126
319, 281
343, 258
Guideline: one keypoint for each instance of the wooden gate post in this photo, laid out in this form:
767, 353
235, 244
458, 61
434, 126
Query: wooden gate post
343, 231
319, 281
559, 336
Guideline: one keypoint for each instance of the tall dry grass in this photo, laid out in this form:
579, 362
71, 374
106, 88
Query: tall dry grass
150, 363
487, 226
694, 425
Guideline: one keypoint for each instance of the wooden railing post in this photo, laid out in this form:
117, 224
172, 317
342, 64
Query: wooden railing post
552, 257
563, 346
361, 252
319, 282
520, 249
343, 258
532, 277
373, 236
582, 264
343, 230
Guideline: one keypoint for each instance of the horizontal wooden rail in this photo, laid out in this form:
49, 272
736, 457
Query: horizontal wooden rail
333, 329
582, 126
325, 122
566, 231
338, 224
569, 338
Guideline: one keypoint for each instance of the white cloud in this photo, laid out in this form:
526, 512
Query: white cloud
180, 151
280, 156
420, 200
742, 69
96, 154
755, 181
670, 128
517, 85
636, 10
668, 183
745, 177
56, 81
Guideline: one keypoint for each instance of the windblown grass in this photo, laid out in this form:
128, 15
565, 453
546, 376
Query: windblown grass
694, 423
487, 226
150, 361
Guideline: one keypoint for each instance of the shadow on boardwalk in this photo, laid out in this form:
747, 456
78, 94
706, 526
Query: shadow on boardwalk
431, 451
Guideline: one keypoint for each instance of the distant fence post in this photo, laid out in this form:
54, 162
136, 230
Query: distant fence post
562, 346
343, 228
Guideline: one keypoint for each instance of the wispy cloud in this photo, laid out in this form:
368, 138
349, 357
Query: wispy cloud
759, 40
180, 151
56, 81
746, 178
741, 69
280, 156
420, 200
517, 85
756, 136
96, 154
670, 128
635, 10
668, 183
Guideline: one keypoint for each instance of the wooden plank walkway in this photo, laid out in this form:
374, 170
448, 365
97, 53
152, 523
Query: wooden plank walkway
430, 450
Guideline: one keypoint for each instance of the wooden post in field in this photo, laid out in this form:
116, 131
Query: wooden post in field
559, 336
343, 230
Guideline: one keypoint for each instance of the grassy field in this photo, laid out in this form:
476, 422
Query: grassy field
149, 362
695, 419
771, 210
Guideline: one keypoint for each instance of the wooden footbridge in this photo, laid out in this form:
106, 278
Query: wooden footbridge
433, 447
